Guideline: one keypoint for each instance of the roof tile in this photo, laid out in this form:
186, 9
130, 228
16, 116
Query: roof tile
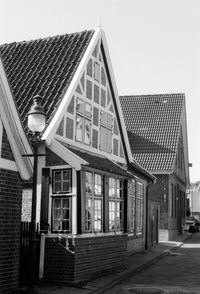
44, 67
153, 124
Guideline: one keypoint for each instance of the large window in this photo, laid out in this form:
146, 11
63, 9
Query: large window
61, 200
140, 204
116, 202
94, 202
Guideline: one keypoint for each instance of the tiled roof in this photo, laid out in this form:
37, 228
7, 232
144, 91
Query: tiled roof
43, 67
100, 162
153, 124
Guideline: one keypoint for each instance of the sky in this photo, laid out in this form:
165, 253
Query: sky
154, 45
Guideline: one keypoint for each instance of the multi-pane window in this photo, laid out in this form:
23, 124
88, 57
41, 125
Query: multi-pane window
90, 117
116, 202
106, 132
62, 214
94, 202
62, 181
61, 200
140, 204
83, 121
132, 205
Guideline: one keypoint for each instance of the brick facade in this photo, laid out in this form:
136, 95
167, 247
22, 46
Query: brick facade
169, 225
79, 259
10, 220
6, 151
159, 193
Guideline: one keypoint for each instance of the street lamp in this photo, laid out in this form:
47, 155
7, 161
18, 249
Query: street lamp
36, 125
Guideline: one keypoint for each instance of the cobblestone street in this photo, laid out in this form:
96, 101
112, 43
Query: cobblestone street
178, 272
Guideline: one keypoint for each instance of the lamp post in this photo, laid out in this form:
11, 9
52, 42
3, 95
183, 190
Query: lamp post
36, 125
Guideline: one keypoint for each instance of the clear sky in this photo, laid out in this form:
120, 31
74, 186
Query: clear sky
154, 44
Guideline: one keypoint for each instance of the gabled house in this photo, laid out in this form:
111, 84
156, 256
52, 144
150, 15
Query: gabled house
157, 131
91, 193
14, 169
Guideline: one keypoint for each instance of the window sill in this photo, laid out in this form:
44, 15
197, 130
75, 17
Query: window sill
84, 235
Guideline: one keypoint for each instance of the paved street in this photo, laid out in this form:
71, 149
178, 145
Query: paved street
178, 272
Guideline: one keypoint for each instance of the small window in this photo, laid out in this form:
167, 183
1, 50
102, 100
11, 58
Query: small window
79, 128
89, 68
89, 89
96, 71
103, 98
96, 94
79, 105
62, 181
70, 107
103, 77
69, 128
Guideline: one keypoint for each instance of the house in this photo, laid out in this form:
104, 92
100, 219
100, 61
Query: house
91, 193
194, 200
157, 131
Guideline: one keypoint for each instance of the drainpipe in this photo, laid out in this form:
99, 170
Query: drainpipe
147, 213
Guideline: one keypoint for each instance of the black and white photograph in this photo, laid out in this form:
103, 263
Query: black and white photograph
99, 154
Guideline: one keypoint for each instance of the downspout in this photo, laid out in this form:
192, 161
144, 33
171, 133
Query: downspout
147, 213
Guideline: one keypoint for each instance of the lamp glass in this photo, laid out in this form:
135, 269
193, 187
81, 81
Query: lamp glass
36, 122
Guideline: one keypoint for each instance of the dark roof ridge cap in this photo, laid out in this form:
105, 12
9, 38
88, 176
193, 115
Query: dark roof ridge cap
43, 39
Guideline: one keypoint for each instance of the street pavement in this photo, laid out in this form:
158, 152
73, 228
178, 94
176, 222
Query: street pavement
176, 272
166, 266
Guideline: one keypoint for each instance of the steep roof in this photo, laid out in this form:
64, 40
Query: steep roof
153, 123
44, 67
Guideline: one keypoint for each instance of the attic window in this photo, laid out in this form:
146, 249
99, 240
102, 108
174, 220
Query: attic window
96, 71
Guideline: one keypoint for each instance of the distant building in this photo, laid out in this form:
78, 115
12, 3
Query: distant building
157, 131
194, 200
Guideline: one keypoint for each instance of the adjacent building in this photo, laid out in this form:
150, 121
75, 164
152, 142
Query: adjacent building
157, 131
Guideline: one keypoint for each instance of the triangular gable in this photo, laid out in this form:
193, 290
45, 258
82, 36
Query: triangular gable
14, 130
89, 115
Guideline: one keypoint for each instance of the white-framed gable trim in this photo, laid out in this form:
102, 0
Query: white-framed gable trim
51, 129
69, 157
118, 109
14, 130
8, 164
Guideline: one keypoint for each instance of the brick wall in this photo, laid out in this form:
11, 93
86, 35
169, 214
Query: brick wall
6, 151
10, 219
159, 193
84, 257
